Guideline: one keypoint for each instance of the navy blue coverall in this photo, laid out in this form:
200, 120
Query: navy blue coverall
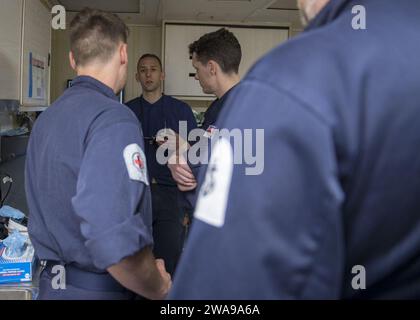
168, 204
88, 192
340, 109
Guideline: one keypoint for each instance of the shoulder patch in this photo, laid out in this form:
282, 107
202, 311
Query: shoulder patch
135, 162
210, 131
214, 193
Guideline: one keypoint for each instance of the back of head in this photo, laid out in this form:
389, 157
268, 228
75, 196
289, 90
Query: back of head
220, 46
95, 35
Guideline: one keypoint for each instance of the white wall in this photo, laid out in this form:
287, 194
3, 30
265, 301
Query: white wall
10, 51
142, 39
60, 66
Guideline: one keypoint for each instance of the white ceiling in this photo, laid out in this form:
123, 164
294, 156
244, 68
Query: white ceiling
154, 11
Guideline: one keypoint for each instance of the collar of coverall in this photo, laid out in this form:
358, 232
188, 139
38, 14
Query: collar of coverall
330, 12
88, 81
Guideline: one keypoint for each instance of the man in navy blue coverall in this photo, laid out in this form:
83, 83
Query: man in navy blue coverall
336, 212
161, 116
86, 178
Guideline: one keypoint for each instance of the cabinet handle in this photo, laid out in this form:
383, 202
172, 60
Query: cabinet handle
192, 75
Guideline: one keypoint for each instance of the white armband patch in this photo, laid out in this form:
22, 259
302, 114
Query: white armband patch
210, 131
135, 162
214, 193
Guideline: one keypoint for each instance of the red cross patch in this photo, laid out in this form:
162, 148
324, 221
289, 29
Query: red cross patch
138, 162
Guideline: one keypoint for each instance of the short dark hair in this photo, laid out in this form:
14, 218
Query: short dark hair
220, 46
95, 34
149, 55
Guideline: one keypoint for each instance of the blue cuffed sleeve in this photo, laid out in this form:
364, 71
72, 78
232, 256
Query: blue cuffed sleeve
113, 205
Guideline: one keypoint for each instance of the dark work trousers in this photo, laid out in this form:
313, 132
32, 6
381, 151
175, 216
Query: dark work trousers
76, 292
168, 229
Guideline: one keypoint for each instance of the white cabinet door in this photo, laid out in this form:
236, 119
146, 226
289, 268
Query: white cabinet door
179, 79
25, 31
255, 42
36, 50
10, 48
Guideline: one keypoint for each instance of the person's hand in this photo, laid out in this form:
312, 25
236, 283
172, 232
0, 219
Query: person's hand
186, 221
168, 137
185, 188
166, 278
181, 173
171, 140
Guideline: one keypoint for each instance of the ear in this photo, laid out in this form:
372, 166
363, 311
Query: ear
162, 76
137, 76
123, 54
72, 61
212, 67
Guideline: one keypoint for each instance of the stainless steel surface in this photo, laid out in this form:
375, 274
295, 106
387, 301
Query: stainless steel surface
13, 293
